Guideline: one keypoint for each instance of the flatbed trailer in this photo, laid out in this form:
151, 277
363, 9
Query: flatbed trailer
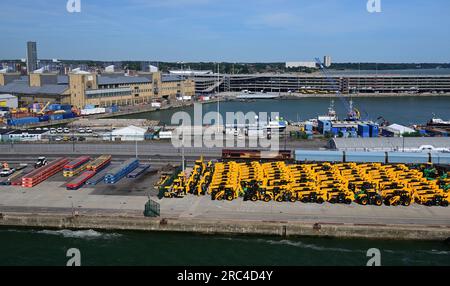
138, 171
79, 181
243, 154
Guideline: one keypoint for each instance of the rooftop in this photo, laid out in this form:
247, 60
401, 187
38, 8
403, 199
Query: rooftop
388, 143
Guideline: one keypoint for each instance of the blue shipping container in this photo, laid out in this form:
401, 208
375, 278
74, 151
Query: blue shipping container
374, 130
324, 126
363, 130
44, 118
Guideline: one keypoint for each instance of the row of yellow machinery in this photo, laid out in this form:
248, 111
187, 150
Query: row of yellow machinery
365, 184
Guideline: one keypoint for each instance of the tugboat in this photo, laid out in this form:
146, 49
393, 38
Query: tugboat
331, 115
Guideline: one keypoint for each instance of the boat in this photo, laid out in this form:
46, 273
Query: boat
438, 122
331, 115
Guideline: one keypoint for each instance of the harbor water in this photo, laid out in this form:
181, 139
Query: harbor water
407, 110
20, 246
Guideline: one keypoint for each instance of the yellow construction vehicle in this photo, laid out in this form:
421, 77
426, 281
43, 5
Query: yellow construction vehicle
226, 192
395, 197
339, 196
430, 198
178, 187
368, 195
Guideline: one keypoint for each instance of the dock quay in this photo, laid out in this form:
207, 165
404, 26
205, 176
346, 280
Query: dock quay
227, 227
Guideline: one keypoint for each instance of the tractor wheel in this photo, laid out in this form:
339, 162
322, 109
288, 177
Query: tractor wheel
332, 201
378, 202
320, 201
428, 204
305, 200
292, 199
444, 203
348, 201
279, 199
254, 198
407, 203
267, 198
364, 201
230, 197
387, 203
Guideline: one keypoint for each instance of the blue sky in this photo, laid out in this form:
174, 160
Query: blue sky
228, 30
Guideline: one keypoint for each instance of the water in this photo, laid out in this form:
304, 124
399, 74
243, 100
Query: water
49, 247
401, 110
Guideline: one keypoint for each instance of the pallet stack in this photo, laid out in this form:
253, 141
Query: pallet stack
138, 171
39, 175
99, 163
121, 171
79, 181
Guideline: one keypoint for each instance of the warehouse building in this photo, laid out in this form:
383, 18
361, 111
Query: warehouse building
8, 100
82, 88
129, 133
407, 144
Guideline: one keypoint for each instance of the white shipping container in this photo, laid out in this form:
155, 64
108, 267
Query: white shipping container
98, 110
156, 104
165, 135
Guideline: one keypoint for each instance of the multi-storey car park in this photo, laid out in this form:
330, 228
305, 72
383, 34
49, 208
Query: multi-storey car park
344, 83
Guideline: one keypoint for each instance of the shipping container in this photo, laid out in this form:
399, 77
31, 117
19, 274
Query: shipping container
373, 130
363, 130
324, 126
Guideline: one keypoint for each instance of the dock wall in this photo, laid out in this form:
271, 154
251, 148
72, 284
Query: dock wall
224, 227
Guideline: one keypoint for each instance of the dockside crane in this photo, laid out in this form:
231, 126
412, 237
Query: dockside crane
353, 114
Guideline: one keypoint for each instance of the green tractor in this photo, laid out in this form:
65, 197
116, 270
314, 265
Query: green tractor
367, 195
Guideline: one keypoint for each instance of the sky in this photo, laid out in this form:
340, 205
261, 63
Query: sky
228, 30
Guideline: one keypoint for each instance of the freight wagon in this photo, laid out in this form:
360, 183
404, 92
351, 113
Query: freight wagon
229, 154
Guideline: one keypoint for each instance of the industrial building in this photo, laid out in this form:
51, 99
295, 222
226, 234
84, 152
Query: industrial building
129, 133
82, 88
384, 144
8, 100
311, 65
31, 57
345, 83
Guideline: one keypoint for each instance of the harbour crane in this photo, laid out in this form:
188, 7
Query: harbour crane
353, 114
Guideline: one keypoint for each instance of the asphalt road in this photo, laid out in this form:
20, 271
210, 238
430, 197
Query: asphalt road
148, 148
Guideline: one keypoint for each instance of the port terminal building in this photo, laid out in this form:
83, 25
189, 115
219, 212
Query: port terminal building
345, 83
81, 88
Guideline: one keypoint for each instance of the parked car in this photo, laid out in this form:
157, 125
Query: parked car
60, 130
66, 130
